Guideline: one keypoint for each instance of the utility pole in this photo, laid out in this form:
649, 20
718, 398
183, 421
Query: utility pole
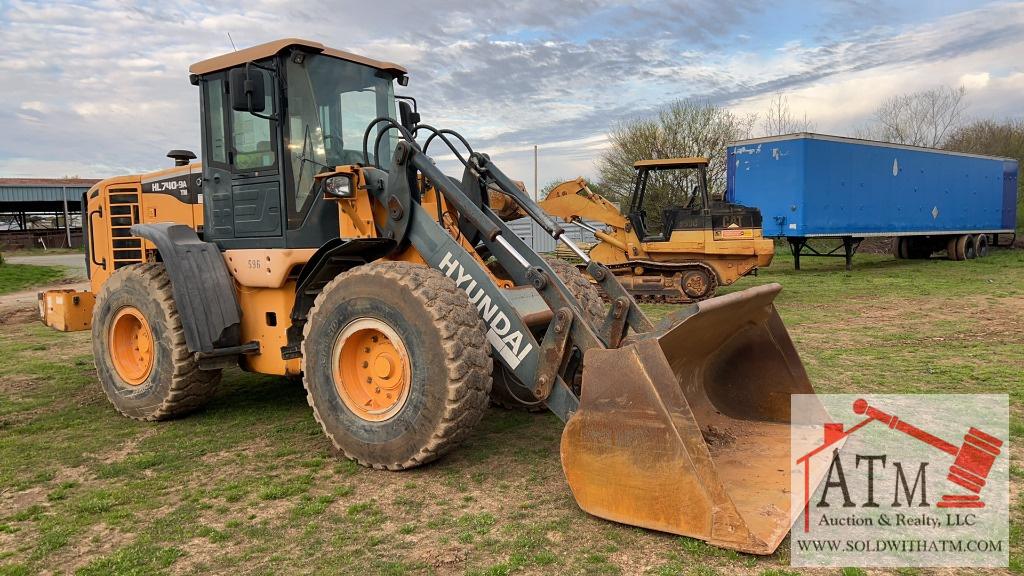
536, 190
67, 219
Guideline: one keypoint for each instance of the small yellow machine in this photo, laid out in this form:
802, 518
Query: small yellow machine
319, 238
702, 244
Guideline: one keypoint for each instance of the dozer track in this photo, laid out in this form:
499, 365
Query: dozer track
666, 283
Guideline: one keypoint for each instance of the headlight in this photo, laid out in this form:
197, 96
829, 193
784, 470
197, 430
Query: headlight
339, 186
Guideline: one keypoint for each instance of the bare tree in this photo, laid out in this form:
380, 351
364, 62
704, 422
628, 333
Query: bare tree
989, 137
683, 128
778, 119
993, 138
923, 118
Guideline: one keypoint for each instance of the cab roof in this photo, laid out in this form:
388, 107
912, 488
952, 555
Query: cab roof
232, 59
660, 163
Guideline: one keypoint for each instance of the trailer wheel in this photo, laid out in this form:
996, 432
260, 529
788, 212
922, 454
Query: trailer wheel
965, 247
396, 364
139, 348
899, 247
952, 252
981, 245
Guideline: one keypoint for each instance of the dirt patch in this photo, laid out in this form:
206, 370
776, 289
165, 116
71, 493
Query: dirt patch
198, 552
718, 438
448, 557
12, 386
97, 541
227, 460
9, 540
991, 320
14, 502
126, 448
79, 474
638, 559
21, 315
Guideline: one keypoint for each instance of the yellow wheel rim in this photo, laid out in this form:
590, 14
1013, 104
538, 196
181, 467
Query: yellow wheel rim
372, 370
131, 345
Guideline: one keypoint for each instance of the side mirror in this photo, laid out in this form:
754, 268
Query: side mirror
247, 89
407, 117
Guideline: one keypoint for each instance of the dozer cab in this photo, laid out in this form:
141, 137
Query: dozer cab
682, 253
317, 237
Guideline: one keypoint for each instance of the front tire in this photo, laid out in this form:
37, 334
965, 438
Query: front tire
396, 364
139, 347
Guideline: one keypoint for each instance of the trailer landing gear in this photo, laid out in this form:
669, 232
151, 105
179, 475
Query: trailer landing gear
798, 245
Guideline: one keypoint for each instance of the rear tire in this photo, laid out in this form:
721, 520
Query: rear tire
981, 245
579, 286
157, 378
441, 349
965, 246
899, 248
952, 250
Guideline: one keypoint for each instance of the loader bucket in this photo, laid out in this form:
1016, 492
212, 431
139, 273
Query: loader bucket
685, 429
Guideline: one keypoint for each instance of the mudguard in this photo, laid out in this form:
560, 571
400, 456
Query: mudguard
201, 284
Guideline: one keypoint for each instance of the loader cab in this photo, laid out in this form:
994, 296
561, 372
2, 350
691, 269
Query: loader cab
668, 194
273, 117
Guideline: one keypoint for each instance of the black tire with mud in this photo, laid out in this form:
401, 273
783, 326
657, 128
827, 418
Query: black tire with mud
449, 354
580, 287
506, 391
175, 385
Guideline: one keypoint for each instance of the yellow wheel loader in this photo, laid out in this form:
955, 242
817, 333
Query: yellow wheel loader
701, 244
318, 238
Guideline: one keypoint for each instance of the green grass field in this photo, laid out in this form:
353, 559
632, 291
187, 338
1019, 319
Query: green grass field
15, 277
250, 485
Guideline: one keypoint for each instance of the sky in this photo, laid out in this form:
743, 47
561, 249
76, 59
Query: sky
98, 89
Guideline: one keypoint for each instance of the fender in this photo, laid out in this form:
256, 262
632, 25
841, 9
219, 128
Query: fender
334, 257
203, 290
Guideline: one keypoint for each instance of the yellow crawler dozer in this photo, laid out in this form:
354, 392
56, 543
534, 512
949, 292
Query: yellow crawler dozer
701, 244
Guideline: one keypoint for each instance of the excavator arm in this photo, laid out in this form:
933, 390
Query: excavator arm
574, 200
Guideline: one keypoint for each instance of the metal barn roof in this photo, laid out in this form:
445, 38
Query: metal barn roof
33, 191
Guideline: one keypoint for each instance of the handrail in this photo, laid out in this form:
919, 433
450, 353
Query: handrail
92, 242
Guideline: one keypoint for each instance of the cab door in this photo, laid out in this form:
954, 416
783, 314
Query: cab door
241, 169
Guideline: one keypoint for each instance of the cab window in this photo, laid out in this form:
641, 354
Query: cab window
330, 104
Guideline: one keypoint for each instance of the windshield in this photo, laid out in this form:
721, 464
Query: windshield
670, 190
330, 104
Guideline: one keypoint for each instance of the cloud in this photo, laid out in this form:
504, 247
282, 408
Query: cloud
101, 87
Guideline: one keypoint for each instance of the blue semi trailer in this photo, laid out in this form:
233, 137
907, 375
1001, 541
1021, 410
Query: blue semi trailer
817, 186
